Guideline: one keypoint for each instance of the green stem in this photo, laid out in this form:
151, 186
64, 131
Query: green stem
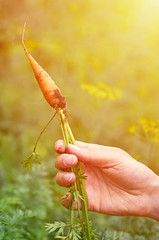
82, 190
67, 141
69, 138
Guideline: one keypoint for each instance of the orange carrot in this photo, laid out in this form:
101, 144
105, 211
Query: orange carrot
48, 87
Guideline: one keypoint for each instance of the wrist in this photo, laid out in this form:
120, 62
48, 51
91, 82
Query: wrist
154, 200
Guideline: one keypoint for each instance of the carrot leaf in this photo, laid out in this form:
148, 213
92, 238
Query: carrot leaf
29, 161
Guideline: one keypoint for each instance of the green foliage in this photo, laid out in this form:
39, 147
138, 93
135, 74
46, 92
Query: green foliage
130, 228
67, 231
109, 235
72, 233
32, 159
56, 226
25, 203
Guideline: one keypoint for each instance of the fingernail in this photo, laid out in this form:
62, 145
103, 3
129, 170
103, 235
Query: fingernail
68, 177
59, 145
74, 147
70, 161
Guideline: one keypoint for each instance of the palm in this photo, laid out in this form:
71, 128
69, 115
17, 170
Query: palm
117, 188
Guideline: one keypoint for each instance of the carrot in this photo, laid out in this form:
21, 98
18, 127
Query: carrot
78, 192
48, 87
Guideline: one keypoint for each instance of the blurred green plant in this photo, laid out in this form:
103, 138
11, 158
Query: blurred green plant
131, 228
25, 203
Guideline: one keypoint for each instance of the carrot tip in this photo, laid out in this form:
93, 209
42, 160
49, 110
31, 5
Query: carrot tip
23, 35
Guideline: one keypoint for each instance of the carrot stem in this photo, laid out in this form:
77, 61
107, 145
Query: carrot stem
82, 189
79, 184
43, 131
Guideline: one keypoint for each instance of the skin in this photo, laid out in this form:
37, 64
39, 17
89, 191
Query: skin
116, 183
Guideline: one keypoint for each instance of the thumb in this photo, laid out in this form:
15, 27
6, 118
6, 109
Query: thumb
96, 155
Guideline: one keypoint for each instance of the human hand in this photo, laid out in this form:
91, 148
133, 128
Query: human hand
116, 184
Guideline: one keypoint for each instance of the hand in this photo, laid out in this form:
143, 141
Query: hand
116, 184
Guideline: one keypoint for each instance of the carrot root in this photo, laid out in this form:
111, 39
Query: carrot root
48, 87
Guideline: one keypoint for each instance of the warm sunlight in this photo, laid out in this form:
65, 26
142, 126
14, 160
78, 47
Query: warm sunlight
104, 57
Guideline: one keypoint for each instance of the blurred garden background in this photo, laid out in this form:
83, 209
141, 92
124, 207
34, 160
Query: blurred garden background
104, 56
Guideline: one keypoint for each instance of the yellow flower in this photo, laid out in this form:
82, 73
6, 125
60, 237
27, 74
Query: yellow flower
132, 129
156, 136
102, 90
147, 125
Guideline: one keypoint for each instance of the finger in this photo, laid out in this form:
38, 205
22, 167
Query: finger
84, 152
83, 144
60, 146
67, 203
65, 179
65, 161
97, 155
88, 145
